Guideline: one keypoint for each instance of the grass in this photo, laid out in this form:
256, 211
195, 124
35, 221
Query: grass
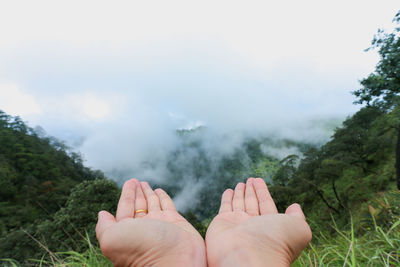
92, 257
377, 247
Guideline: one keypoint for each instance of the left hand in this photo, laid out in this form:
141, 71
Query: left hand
161, 237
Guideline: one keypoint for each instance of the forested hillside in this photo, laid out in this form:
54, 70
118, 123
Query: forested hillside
37, 175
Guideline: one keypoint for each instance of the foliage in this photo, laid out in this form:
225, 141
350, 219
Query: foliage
349, 169
90, 257
79, 215
66, 229
382, 87
36, 176
287, 169
377, 247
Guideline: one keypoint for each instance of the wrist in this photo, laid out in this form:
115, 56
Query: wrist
192, 256
195, 259
248, 257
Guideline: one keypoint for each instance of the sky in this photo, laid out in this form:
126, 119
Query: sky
114, 79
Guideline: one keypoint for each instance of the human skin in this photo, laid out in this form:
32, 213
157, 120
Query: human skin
162, 237
249, 231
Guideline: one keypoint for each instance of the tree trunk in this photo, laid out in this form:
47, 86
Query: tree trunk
321, 195
398, 159
336, 194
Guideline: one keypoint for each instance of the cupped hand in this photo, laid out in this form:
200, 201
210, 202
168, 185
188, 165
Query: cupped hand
161, 237
249, 231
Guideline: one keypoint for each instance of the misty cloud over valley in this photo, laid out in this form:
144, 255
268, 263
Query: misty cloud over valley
170, 102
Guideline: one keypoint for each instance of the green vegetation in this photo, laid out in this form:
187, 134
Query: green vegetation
92, 257
348, 187
44, 193
375, 248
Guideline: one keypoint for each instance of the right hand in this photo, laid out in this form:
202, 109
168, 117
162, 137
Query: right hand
249, 231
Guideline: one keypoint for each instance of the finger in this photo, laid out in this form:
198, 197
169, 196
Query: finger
265, 201
126, 204
226, 201
140, 202
295, 210
165, 200
250, 199
105, 220
238, 197
153, 202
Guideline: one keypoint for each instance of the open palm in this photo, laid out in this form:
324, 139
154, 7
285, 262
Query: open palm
249, 225
161, 237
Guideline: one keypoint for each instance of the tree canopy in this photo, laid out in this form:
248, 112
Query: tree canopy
382, 87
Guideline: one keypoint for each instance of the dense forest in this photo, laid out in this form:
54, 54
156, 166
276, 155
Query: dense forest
40, 184
49, 200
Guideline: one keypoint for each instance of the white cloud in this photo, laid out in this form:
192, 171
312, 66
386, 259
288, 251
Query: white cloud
82, 107
91, 106
14, 101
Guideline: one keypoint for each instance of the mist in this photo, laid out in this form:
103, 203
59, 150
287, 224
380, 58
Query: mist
130, 130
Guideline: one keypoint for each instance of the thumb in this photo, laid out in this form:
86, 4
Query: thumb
105, 220
295, 210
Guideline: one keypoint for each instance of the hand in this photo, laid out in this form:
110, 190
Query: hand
161, 237
249, 231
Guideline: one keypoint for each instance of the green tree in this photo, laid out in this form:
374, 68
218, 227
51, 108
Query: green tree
382, 87
37, 173
288, 167
79, 216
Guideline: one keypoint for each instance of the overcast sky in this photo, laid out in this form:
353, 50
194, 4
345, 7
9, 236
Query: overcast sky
115, 78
